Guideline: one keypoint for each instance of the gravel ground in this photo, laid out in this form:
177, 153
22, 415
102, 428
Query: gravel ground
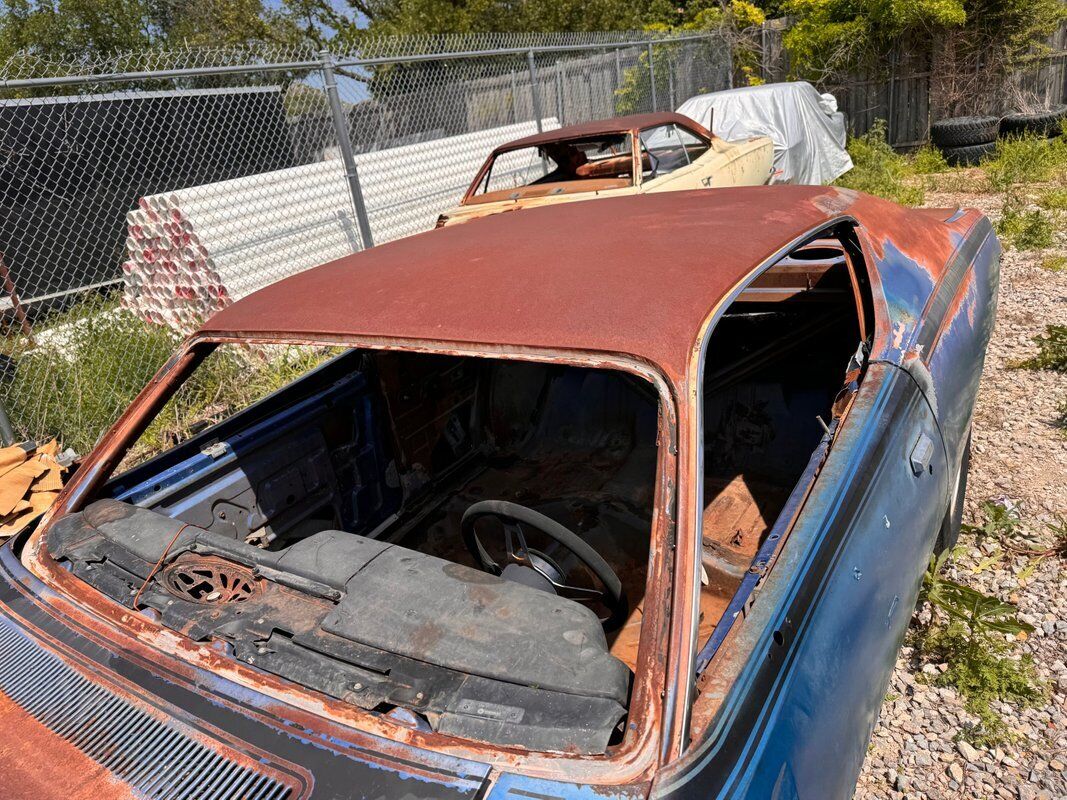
1020, 455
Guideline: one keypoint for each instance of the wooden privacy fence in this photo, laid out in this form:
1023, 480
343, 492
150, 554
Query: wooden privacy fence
917, 87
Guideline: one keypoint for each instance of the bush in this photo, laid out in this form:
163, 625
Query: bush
879, 170
1025, 230
928, 160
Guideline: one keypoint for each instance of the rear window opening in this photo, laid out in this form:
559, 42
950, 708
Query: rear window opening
780, 368
397, 530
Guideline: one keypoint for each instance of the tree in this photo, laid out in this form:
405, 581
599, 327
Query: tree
431, 17
76, 30
834, 36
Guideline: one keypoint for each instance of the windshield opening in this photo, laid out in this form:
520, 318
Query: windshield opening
573, 165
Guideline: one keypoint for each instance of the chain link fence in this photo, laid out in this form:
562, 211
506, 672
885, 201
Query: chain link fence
141, 193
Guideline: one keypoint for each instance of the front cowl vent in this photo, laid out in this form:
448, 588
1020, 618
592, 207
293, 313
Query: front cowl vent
154, 758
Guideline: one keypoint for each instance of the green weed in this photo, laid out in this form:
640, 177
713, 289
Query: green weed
1053, 199
982, 672
1055, 263
1025, 230
89, 363
1058, 529
960, 181
928, 160
881, 171
998, 522
1051, 350
228, 380
1026, 160
983, 615
974, 644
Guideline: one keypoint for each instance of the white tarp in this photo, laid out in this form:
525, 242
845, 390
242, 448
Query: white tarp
807, 129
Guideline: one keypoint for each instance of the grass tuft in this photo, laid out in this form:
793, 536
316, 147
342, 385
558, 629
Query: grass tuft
1053, 199
1054, 263
229, 379
1025, 160
1051, 350
881, 171
87, 365
90, 362
1025, 230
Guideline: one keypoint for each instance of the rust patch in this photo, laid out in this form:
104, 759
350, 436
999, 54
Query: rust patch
38, 765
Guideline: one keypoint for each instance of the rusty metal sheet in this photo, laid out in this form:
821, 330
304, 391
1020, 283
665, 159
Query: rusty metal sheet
30, 753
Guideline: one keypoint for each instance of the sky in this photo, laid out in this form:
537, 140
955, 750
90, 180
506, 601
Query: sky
338, 5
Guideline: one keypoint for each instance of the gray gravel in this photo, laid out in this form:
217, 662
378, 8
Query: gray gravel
1019, 455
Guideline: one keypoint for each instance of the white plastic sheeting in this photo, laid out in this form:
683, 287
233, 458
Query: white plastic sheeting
807, 129
405, 188
193, 251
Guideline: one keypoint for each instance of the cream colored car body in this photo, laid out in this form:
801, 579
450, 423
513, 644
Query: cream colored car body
743, 163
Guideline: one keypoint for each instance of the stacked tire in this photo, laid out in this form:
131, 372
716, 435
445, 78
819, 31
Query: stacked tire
1037, 123
965, 141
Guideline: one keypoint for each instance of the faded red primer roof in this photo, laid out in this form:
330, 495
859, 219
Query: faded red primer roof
599, 127
632, 275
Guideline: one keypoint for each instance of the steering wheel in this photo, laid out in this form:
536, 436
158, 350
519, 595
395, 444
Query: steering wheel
552, 577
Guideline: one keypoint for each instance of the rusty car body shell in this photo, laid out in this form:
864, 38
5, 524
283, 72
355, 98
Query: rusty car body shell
739, 163
642, 297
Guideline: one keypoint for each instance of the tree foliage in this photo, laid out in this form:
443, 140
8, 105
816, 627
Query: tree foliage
73, 30
835, 35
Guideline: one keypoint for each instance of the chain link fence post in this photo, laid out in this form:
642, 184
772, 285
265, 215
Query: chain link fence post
652, 77
344, 144
535, 92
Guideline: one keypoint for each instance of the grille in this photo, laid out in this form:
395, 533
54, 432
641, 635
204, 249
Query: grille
154, 758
